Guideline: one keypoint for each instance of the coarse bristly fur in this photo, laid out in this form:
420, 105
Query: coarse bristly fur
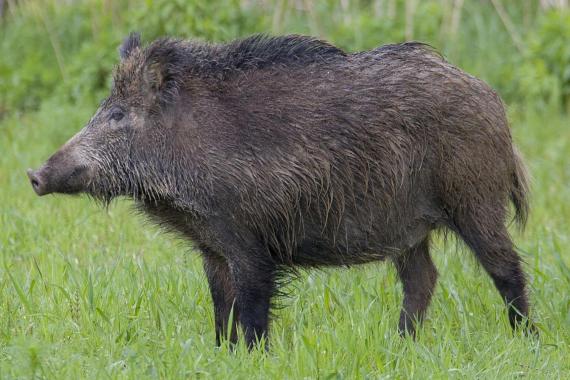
283, 152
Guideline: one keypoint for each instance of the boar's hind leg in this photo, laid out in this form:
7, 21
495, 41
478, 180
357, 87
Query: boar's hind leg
223, 296
418, 276
489, 239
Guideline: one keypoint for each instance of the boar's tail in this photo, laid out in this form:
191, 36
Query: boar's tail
519, 190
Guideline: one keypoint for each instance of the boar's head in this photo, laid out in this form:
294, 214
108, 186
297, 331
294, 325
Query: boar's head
126, 149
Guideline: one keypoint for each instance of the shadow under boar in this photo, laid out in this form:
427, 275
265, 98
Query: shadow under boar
275, 153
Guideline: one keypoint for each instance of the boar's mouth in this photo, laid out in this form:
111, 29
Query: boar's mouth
47, 180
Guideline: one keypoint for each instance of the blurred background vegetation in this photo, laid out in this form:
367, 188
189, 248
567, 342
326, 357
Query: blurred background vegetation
63, 51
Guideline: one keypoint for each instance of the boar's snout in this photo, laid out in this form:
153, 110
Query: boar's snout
37, 182
60, 174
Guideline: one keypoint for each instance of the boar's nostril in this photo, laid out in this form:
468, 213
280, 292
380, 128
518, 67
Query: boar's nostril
35, 181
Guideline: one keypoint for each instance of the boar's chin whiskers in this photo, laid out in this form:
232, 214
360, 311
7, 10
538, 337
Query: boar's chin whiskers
130, 180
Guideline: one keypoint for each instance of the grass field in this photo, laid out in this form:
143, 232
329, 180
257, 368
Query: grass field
88, 292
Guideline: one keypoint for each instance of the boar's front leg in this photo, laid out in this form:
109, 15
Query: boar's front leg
254, 280
223, 296
252, 273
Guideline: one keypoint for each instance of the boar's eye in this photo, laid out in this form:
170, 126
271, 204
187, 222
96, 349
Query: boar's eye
117, 115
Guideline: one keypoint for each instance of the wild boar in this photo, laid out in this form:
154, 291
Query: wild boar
277, 153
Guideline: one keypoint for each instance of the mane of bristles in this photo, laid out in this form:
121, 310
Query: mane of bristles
224, 60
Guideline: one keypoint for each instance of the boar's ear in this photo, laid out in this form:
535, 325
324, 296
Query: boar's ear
163, 70
130, 44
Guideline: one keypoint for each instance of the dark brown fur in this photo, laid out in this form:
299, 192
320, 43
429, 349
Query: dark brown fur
285, 152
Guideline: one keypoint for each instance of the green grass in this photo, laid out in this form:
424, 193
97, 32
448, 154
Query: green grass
88, 292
